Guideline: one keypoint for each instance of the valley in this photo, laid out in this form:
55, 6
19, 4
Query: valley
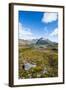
38, 58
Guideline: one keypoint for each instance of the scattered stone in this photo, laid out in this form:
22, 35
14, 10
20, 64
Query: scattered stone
45, 70
28, 66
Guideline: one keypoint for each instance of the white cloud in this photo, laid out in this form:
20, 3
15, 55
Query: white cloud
49, 17
55, 32
25, 33
23, 30
53, 36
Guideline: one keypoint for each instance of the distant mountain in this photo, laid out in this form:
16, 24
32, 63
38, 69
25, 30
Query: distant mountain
40, 41
23, 42
43, 41
34, 41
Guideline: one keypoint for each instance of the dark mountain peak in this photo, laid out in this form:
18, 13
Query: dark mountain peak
43, 41
42, 38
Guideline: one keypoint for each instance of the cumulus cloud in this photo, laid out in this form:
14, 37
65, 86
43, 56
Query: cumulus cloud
25, 33
55, 32
49, 17
53, 36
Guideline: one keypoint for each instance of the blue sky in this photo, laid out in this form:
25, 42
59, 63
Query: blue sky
34, 25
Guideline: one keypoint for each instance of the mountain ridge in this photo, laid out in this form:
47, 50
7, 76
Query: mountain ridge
40, 41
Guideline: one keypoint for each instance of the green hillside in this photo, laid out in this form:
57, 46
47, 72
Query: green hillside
38, 61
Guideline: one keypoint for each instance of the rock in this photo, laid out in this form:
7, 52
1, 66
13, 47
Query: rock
28, 66
45, 70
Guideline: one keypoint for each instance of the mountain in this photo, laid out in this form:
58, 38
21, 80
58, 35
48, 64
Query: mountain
40, 41
34, 41
47, 42
24, 42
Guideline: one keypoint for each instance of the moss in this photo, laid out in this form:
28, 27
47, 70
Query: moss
42, 58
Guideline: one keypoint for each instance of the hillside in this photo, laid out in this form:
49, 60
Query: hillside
38, 58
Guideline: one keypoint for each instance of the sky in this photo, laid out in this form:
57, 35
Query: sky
34, 25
